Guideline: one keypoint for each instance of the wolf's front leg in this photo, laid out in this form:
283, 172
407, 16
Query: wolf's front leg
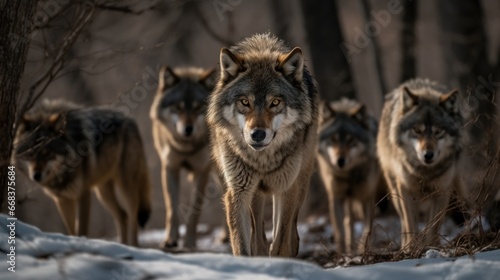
348, 223
336, 219
259, 241
407, 208
368, 213
83, 213
238, 203
201, 180
435, 217
286, 207
170, 180
67, 209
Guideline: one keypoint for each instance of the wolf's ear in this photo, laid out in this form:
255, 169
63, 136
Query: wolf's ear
449, 101
57, 122
207, 78
292, 64
410, 99
359, 113
167, 78
327, 111
230, 64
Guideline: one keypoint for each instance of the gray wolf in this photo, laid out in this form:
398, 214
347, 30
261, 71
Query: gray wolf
181, 138
419, 147
263, 121
349, 168
71, 150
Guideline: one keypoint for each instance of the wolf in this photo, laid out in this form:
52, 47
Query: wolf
419, 147
263, 121
349, 168
180, 135
71, 150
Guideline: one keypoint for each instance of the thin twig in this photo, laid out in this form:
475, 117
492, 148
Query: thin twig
126, 9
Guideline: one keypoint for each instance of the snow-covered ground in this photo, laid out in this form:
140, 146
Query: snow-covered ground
40, 255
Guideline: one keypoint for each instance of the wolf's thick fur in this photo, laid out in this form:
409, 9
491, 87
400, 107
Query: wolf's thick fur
263, 121
419, 147
70, 149
181, 138
349, 168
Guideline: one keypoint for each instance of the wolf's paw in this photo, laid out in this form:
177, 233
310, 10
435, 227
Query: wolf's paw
168, 244
224, 238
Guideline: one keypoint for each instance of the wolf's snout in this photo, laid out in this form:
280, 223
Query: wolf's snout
428, 156
37, 176
188, 130
258, 135
341, 162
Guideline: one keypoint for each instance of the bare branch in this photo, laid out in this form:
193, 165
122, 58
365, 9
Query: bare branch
40, 86
208, 28
126, 9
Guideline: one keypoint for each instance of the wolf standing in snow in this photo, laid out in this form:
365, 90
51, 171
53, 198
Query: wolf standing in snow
70, 149
263, 120
419, 145
181, 138
349, 168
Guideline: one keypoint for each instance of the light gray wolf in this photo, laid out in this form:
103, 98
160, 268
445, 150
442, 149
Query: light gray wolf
349, 168
181, 139
70, 150
419, 147
263, 121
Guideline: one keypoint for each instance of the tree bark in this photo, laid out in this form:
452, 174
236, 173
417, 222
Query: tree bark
331, 68
408, 41
281, 11
465, 53
15, 27
377, 54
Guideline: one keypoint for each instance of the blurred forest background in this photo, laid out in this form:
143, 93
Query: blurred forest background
106, 52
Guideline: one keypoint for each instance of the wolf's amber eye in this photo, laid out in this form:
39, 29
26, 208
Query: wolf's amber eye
417, 130
439, 133
275, 102
349, 139
245, 102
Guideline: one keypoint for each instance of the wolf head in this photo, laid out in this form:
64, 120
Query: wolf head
40, 141
347, 134
180, 102
262, 92
429, 130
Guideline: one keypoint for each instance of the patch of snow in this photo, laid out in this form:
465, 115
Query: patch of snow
41, 255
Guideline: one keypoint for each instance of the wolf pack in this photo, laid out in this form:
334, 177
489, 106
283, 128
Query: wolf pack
259, 129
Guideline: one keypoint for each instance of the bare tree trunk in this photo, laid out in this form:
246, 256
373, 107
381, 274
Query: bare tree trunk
377, 54
408, 41
465, 42
281, 11
331, 68
466, 54
15, 29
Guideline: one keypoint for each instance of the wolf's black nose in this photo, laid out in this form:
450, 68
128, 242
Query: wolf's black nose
188, 130
341, 162
258, 135
428, 156
37, 176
